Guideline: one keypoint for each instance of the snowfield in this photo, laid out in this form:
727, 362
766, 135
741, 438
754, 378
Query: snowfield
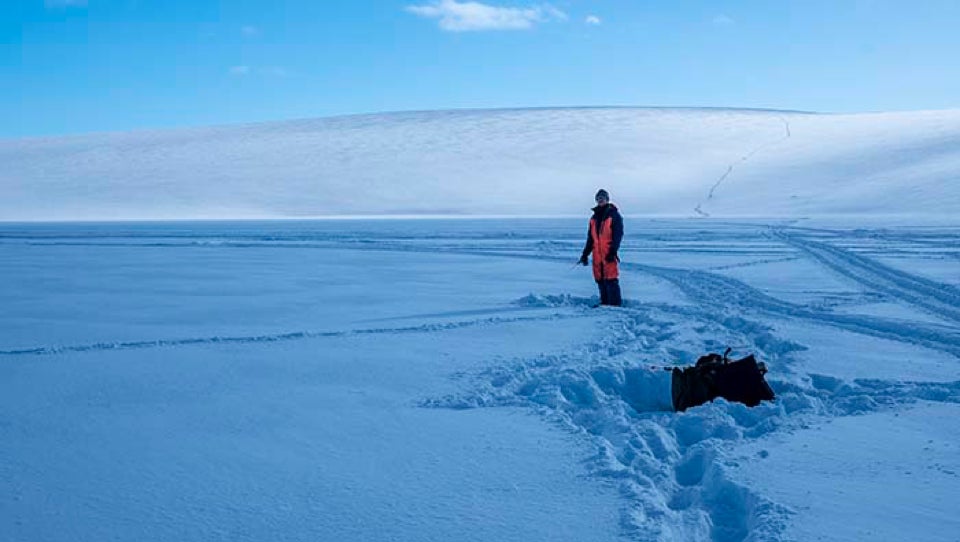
447, 379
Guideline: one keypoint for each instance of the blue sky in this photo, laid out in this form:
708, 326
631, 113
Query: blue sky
73, 66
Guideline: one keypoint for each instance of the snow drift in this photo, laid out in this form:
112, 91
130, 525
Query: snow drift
674, 162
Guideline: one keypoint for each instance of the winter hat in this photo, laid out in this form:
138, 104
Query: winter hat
602, 194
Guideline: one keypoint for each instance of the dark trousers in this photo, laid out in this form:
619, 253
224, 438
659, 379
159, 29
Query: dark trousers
610, 292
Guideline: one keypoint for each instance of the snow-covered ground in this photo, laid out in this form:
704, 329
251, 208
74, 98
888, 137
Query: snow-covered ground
424, 380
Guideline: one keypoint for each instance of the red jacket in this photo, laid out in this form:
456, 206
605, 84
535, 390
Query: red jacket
603, 240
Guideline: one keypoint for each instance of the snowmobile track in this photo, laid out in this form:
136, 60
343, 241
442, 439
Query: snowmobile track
718, 293
942, 300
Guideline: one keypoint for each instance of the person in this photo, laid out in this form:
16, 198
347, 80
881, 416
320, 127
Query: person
603, 240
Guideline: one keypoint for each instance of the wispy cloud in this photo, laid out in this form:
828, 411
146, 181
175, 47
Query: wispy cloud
593, 19
457, 16
264, 71
722, 20
57, 4
249, 31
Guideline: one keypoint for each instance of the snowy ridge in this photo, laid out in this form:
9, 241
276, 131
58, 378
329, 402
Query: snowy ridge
534, 162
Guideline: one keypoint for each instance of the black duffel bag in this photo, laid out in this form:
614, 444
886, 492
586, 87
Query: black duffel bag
715, 376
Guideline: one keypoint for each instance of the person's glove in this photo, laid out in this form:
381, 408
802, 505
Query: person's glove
611, 257
583, 260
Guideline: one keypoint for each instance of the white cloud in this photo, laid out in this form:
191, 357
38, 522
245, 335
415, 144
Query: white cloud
250, 31
56, 4
722, 20
457, 16
240, 71
593, 19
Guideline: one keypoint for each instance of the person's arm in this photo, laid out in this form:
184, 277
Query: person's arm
617, 224
588, 248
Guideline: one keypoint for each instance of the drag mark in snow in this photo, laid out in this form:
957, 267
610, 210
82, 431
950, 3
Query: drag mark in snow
752, 263
278, 337
699, 208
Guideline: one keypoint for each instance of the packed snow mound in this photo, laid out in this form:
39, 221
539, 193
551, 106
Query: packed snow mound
673, 162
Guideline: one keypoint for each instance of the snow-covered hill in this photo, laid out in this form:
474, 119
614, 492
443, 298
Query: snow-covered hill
678, 162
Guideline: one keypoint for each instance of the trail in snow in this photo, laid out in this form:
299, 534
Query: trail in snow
710, 289
664, 463
730, 295
671, 466
281, 337
717, 292
743, 159
942, 300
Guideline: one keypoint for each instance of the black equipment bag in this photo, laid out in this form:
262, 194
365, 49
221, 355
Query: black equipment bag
716, 376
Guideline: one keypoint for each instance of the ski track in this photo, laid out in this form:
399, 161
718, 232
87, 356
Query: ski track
671, 469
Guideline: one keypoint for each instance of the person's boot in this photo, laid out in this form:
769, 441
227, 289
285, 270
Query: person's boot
613, 293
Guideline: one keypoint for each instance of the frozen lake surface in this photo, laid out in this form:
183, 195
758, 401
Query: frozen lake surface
424, 380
